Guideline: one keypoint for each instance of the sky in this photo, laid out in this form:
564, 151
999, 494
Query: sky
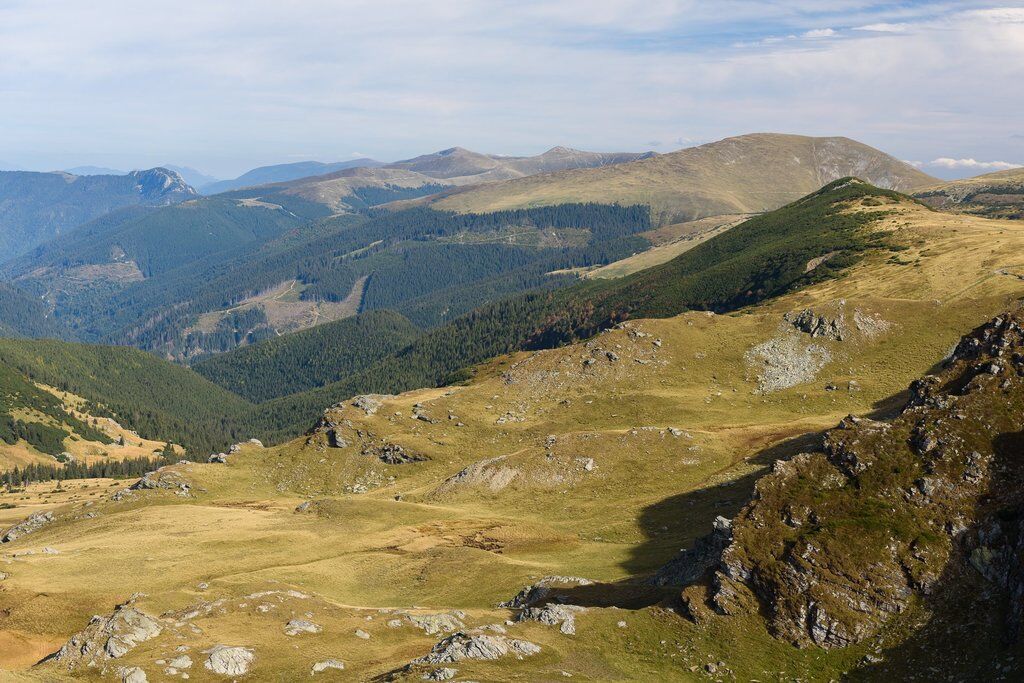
225, 86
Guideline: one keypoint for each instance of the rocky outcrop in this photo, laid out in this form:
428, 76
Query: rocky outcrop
492, 474
108, 638
164, 478
835, 543
34, 522
694, 563
327, 665
563, 616
433, 624
229, 660
543, 591
297, 627
393, 454
460, 646
828, 327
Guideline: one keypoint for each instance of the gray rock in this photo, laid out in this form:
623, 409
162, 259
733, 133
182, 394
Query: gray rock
432, 624
444, 674
181, 662
460, 646
369, 403
133, 674
228, 660
299, 626
33, 522
360, 633
108, 637
553, 614
541, 591
690, 565
327, 665
218, 457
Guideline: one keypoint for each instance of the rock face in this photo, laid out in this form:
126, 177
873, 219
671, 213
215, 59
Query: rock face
492, 474
393, 454
163, 478
461, 646
229, 661
563, 616
811, 323
543, 591
694, 563
834, 544
33, 522
108, 637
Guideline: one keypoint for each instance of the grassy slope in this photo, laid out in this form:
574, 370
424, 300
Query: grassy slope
760, 258
648, 494
995, 195
746, 174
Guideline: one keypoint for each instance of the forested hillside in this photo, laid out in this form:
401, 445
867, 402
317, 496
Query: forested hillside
37, 207
213, 256
311, 358
157, 399
809, 240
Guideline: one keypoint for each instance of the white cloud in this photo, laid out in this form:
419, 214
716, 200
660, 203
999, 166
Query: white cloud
973, 164
209, 86
882, 28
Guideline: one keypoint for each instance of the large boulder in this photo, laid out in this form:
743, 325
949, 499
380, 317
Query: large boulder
108, 638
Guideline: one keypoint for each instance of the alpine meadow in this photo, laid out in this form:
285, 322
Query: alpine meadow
737, 394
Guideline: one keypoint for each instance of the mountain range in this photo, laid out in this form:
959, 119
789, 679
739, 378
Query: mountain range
224, 271
507, 494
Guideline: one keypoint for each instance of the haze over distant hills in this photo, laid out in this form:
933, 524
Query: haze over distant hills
37, 207
743, 174
280, 173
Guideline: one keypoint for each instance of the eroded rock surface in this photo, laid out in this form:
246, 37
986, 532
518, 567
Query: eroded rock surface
108, 638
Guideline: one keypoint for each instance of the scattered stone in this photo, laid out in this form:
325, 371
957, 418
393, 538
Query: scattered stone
491, 473
218, 458
33, 522
621, 624
784, 361
228, 660
612, 356
360, 633
256, 442
299, 626
444, 674
326, 665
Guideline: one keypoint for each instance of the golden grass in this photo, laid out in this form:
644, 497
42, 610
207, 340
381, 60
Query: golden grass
410, 543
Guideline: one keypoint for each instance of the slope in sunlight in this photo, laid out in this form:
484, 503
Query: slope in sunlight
744, 174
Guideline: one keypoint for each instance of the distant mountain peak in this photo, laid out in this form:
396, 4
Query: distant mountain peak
162, 183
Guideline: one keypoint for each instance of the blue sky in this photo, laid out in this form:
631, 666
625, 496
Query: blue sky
224, 86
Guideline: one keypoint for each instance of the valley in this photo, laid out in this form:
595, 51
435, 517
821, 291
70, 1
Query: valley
385, 538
